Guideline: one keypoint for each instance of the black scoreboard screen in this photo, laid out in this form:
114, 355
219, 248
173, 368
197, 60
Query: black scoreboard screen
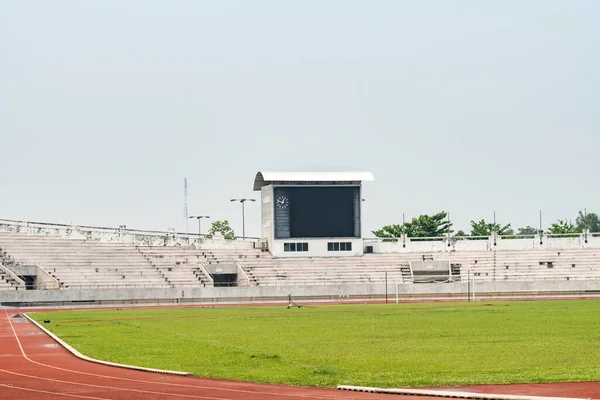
315, 212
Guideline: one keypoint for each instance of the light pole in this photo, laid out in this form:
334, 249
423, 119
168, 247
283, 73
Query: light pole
199, 218
243, 201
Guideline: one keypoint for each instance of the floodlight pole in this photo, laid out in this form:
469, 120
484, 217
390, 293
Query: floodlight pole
199, 218
586, 227
243, 201
541, 229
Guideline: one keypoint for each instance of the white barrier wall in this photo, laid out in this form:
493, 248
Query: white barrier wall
317, 248
280, 293
493, 243
122, 235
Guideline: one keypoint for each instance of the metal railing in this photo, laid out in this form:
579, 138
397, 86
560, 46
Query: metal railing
67, 286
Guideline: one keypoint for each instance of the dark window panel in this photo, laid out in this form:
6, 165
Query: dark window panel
317, 212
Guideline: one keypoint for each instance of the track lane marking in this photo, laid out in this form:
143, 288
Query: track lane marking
163, 383
89, 384
54, 393
113, 388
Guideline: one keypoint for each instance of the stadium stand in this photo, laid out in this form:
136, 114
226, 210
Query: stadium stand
327, 271
81, 263
7, 282
181, 266
530, 265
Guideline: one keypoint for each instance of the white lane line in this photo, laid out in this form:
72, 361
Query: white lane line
54, 393
86, 358
214, 388
113, 387
91, 385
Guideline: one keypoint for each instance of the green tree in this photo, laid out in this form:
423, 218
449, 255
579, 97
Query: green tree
422, 226
461, 233
223, 228
390, 231
528, 230
563, 227
589, 221
483, 228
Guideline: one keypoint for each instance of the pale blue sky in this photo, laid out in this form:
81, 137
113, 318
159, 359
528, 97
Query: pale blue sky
463, 106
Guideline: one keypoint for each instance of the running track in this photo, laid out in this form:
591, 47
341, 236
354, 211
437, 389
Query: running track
33, 366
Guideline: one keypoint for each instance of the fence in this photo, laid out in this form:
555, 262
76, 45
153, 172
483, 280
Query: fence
117, 235
450, 243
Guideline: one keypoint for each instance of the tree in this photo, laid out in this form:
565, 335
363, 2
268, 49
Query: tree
461, 233
563, 227
482, 228
589, 221
422, 226
390, 231
223, 228
528, 230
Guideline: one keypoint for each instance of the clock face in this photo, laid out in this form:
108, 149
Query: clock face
282, 202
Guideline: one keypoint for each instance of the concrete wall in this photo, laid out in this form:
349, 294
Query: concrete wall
43, 280
266, 214
401, 245
494, 242
280, 293
121, 235
317, 248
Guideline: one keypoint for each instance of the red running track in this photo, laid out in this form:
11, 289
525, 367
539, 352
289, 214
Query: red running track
34, 366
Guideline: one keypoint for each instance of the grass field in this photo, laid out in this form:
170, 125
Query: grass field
393, 345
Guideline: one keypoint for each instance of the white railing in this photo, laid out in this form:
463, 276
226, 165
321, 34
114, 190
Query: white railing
68, 286
405, 244
106, 234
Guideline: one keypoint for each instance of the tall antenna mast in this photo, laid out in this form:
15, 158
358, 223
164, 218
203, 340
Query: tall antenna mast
185, 208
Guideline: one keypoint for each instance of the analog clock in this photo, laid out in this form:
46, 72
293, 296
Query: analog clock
282, 202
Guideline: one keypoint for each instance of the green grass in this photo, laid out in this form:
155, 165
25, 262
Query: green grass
393, 345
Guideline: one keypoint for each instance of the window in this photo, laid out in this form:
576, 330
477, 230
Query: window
295, 247
339, 246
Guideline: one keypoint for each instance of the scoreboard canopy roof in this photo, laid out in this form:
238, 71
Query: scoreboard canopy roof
268, 178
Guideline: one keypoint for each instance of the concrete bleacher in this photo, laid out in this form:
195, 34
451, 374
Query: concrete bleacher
263, 269
532, 265
81, 263
7, 282
368, 269
182, 266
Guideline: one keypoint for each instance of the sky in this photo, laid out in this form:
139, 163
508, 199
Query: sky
471, 107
